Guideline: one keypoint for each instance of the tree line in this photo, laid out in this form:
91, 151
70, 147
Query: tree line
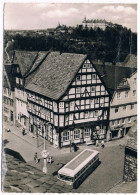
110, 45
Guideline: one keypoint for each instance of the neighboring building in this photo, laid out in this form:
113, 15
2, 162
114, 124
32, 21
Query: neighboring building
122, 83
8, 93
22, 61
67, 100
130, 61
130, 163
96, 23
50, 31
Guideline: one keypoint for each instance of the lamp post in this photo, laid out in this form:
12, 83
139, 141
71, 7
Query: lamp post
45, 153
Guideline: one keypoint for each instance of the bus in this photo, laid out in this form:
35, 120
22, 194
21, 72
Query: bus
76, 171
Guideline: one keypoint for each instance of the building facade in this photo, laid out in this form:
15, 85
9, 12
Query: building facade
102, 24
123, 107
78, 107
9, 109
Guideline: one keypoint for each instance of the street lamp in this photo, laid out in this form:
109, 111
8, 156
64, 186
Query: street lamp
45, 153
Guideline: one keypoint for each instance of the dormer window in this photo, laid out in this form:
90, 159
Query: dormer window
125, 82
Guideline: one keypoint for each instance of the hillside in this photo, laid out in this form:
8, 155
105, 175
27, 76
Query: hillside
112, 44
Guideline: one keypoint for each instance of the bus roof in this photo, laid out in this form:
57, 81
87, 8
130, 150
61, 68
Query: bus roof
77, 163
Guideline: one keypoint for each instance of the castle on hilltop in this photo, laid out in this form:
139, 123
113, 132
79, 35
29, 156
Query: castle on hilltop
97, 23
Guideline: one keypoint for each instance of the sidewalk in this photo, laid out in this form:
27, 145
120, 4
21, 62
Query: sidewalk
54, 152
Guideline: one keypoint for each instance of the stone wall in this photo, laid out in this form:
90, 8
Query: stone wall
130, 165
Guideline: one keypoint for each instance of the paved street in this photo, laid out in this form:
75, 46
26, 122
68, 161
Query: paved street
107, 175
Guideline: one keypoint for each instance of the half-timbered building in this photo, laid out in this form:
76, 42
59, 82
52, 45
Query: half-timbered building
67, 100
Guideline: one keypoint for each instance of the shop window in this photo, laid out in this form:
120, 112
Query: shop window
66, 136
87, 132
76, 134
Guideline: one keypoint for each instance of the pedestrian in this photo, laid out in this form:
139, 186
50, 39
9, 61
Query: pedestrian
36, 158
102, 144
97, 143
23, 131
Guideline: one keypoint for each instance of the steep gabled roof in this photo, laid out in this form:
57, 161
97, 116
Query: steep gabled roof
39, 58
130, 61
25, 60
9, 80
55, 74
113, 75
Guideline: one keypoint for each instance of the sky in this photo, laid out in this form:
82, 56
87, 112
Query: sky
26, 16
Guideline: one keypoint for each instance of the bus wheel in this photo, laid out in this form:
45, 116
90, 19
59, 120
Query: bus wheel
77, 184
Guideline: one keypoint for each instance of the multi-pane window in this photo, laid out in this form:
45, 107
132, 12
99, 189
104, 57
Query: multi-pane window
116, 110
61, 105
70, 116
113, 123
93, 76
17, 80
126, 93
134, 81
129, 120
66, 136
6, 109
11, 102
118, 122
132, 106
61, 118
93, 89
123, 121
118, 95
78, 77
71, 104
96, 100
78, 90
134, 93
87, 132
96, 113
86, 114
91, 114
76, 134
124, 108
